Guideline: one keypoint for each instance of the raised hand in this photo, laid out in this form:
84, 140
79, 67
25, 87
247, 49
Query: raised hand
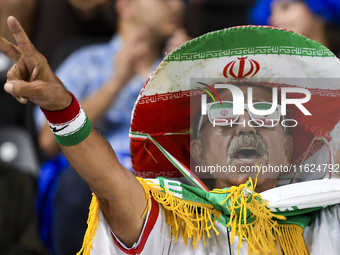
31, 78
135, 48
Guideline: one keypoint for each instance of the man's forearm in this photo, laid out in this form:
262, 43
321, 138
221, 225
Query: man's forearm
120, 194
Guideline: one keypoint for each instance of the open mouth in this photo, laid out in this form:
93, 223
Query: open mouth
247, 154
247, 148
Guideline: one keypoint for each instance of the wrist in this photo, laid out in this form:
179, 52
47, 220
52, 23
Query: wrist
64, 115
71, 125
59, 104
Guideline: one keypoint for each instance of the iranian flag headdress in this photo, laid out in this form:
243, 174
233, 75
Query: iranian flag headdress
265, 56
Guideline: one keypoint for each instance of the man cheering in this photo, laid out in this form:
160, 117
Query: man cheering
189, 211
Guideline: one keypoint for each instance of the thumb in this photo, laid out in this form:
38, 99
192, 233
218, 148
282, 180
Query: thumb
50, 95
15, 88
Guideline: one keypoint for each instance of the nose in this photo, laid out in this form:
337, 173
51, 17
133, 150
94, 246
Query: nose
243, 127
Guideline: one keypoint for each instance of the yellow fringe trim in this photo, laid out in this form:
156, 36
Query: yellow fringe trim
92, 224
262, 233
261, 227
291, 240
191, 219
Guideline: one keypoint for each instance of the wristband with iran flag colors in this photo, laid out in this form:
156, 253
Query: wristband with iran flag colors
70, 126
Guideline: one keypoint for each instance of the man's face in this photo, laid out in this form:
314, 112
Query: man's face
242, 145
161, 17
295, 16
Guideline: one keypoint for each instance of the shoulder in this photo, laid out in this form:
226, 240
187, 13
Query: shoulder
328, 215
94, 54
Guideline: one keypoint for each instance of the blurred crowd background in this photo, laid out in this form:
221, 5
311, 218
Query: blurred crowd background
103, 51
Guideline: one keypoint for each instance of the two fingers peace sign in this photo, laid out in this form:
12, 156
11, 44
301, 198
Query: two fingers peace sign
31, 77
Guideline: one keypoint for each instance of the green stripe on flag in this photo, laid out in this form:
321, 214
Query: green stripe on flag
230, 42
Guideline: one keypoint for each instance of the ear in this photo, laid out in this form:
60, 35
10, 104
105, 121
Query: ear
196, 151
288, 148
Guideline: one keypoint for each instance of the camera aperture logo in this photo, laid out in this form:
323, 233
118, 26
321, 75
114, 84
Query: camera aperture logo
208, 92
263, 114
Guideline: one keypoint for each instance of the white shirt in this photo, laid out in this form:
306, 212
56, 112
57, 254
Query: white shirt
321, 237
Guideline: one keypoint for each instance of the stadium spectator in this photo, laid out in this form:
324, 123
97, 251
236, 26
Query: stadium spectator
318, 20
191, 211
